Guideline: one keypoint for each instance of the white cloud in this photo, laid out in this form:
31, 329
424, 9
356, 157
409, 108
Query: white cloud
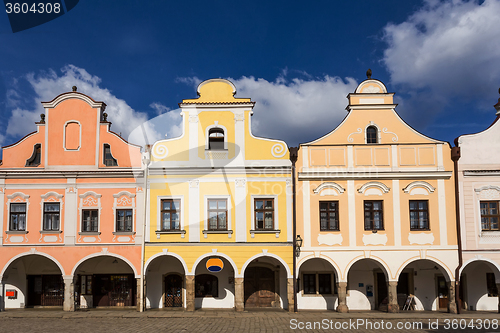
450, 48
49, 84
296, 110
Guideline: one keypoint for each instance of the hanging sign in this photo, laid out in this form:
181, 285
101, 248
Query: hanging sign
215, 265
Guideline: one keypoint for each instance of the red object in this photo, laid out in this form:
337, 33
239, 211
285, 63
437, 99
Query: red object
10, 293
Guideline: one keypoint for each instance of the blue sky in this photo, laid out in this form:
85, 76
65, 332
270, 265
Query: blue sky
297, 60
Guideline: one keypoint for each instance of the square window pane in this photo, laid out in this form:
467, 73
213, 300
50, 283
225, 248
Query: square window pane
259, 204
323, 206
51, 207
18, 207
176, 205
212, 204
269, 204
222, 204
166, 205
333, 206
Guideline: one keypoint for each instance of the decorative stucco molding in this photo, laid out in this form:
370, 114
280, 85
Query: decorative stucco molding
377, 185
329, 186
419, 184
330, 239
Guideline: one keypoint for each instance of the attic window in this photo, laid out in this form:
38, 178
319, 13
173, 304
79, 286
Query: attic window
216, 139
371, 134
109, 160
34, 160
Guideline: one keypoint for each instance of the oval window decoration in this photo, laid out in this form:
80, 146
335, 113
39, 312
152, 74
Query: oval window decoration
215, 265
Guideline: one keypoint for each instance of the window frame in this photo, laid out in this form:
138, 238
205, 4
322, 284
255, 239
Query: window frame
179, 213
217, 210
25, 213
45, 213
489, 216
332, 287
197, 283
372, 225
368, 137
114, 161
264, 211
217, 139
117, 212
337, 218
418, 210
96, 210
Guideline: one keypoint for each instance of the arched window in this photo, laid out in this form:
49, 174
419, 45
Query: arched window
206, 285
371, 134
216, 139
34, 160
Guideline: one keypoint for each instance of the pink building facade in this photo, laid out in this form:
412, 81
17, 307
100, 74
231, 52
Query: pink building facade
71, 201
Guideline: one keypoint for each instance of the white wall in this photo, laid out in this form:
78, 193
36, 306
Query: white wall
154, 280
226, 290
476, 288
361, 272
316, 302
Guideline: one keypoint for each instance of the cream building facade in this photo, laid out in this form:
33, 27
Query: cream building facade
376, 212
219, 230
479, 197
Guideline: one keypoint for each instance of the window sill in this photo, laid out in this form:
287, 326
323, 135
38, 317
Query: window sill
170, 232
253, 232
420, 229
228, 232
18, 232
50, 231
125, 233
375, 231
89, 233
329, 230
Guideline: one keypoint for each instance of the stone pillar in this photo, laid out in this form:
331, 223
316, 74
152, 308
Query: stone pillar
138, 295
452, 305
498, 291
290, 293
2, 295
190, 292
393, 306
239, 294
342, 290
69, 294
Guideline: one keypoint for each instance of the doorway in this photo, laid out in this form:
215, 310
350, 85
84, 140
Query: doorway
45, 290
260, 287
173, 291
382, 293
442, 292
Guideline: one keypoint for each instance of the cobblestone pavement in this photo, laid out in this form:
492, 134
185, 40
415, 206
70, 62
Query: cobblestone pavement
41, 321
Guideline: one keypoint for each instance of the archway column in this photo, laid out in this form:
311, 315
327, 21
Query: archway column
342, 290
138, 295
2, 295
290, 293
498, 291
69, 293
190, 292
452, 305
392, 289
239, 295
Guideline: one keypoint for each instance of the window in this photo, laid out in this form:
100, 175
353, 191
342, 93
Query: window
374, 219
90, 220
109, 160
34, 160
317, 283
51, 216
124, 220
216, 139
18, 217
217, 214
86, 284
206, 285
371, 134
419, 215
491, 285
264, 214
170, 215
489, 215
329, 215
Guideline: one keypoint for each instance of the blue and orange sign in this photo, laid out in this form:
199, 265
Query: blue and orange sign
215, 265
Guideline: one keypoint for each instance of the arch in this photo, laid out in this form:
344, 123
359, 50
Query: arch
76, 95
104, 254
335, 267
18, 194
329, 185
32, 253
215, 80
449, 273
92, 193
419, 183
386, 269
213, 254
496, 265
370, 90
127, 193
378, 185
52, 193
161, 254
371, 134
487, 187
272, 255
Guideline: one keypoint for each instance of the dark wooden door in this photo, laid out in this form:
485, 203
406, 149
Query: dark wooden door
442, 290
114, 290
382, 292
259, 287
34, 290
45, 290
173, 291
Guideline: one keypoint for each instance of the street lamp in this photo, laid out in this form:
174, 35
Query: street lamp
298, 245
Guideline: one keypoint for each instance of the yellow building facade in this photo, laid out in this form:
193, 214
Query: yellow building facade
376, 212
219, 226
